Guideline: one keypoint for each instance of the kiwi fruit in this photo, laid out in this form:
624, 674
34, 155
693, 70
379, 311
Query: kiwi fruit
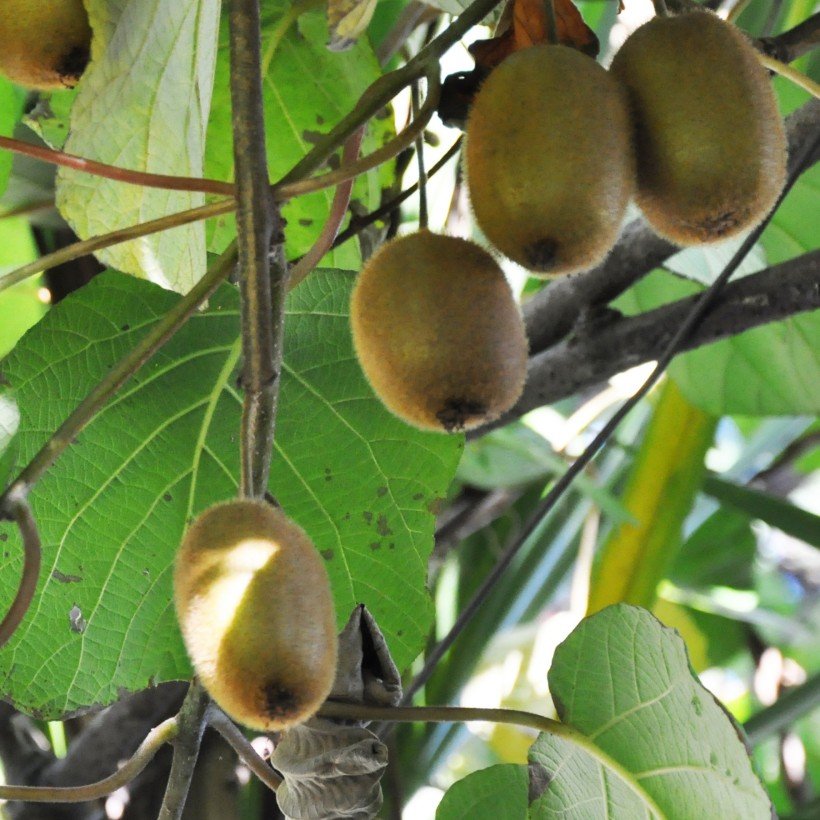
711, 147
45, 43
438, 333
256, 613
549, 160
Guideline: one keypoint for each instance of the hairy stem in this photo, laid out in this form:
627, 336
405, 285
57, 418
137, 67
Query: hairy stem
191, 725
157, 737
259, 225
17, 507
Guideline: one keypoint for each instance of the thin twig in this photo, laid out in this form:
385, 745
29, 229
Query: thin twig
244, 749
462, 714
259, 227
167, 182
96, 400
157, 737
794, 43
792, 74
358, 224
17, 507
556, 492
792, 705
415, 107
191, 725
338, 209
96, 243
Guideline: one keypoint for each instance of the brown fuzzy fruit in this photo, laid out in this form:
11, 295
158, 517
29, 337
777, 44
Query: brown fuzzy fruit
550, 165
256, 612
438, 333
710, 141
45, 43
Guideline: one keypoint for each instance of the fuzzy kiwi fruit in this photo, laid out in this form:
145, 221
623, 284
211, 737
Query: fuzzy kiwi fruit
549, 159
45, 43
256, 612
711, 147
438, 333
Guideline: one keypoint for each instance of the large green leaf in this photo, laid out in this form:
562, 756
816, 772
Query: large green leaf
652, 733
11, 106
143, 104
307, 90
113, 508
793, 520
496, 793
771, 370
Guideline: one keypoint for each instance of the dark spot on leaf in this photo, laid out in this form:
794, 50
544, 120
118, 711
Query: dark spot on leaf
381, 526
435, 505
327, 555
399, 632
539, 780
320, 119
368, 517
167, 497
312, 136
418, 497
125, 328
375, 545
305, 223
65, 579
697, 705
4, 536
381, 491
346, 517
392, 545
76, 622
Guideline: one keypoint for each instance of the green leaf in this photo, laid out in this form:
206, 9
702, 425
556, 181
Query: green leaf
143, 104
770, 370
719, 552
11, 106
113, 508
20, 305
307, 90
652, 732
9, 424
794, 521
496, 793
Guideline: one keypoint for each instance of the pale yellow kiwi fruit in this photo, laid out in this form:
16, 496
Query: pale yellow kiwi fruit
550, 166
711, 147
438, 333
256, 612
44, 44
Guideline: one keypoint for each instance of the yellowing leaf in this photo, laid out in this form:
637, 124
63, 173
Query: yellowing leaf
661, 487
143, 104
346, 20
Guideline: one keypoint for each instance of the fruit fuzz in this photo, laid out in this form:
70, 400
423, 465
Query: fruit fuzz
438, 333
549, 159
45, 43
710, 142
256, 612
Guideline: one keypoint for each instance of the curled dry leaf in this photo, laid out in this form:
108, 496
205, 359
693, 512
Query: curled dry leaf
346, 20
332, 769
524, 24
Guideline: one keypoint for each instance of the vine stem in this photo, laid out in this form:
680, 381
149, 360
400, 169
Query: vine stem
461, 714
18, 508
797, 77
191, 723
219, 721
168, 182
170, 323
262, 265
156, 738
